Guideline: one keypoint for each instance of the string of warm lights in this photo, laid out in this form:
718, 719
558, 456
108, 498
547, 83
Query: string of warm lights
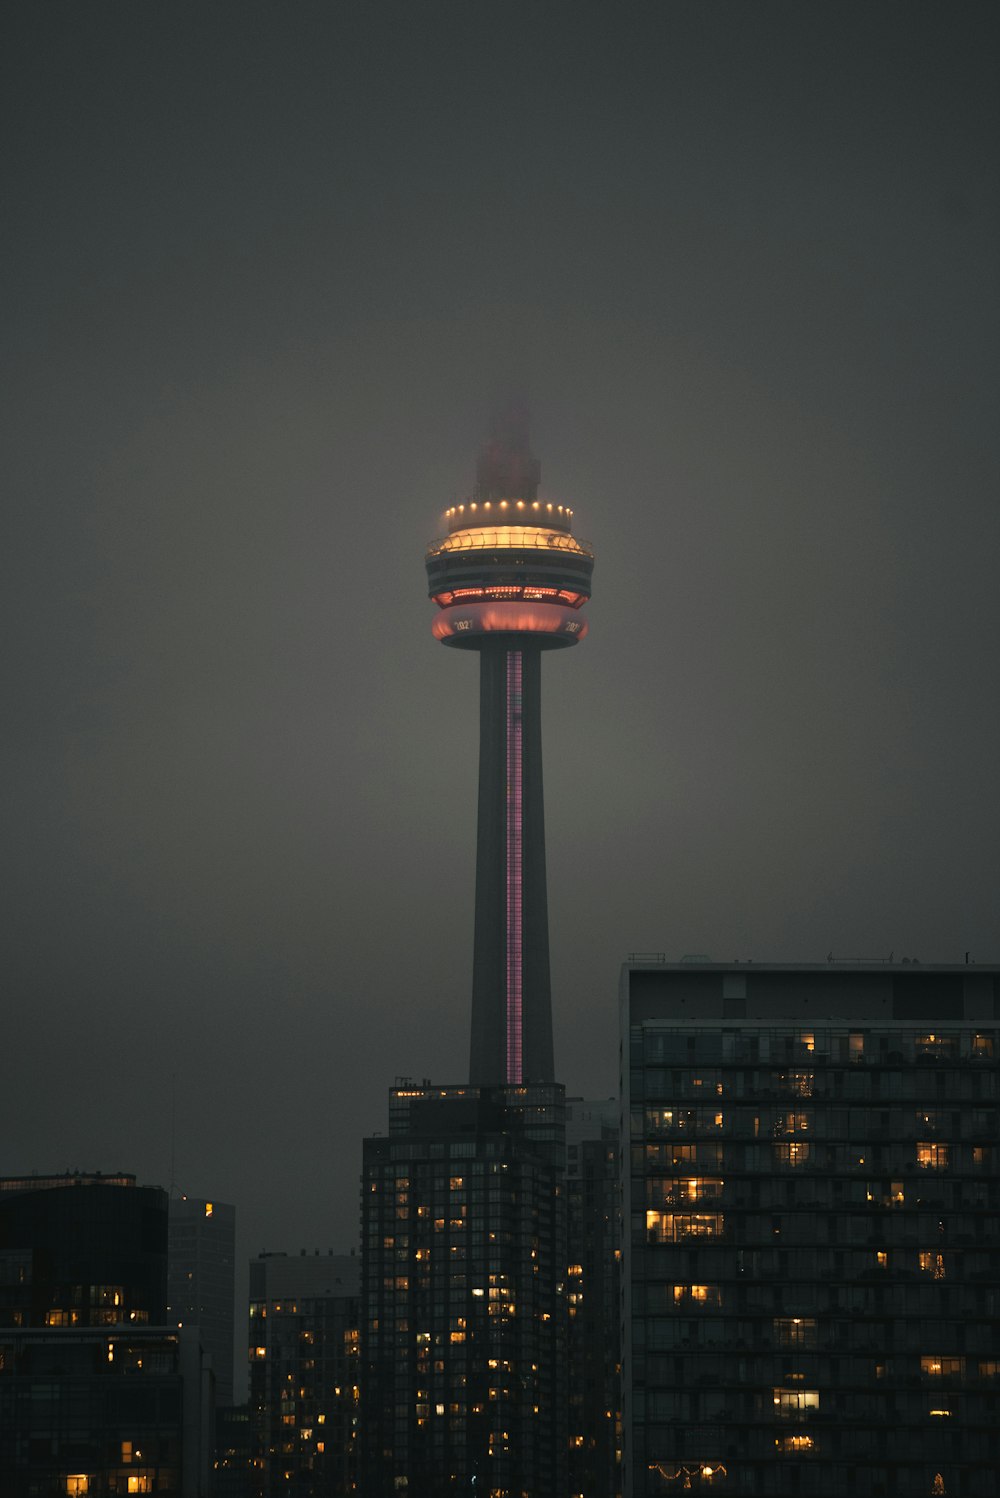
514, 504
683, 1473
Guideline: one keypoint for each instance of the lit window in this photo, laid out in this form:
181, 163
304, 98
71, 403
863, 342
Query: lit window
982, 1045
704, 1295
669, 1227
78, 1482
795, 1445
937, 1367
931, 1156
208, 1209
793, 1154
795, 1404
686, 1189
882, 1259
931, 1263
795, 1331
989, 1368
799, 1082
933, 1043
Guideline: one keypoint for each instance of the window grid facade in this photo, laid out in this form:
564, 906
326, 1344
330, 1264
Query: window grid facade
464, 1335
813, 1257
303, 1357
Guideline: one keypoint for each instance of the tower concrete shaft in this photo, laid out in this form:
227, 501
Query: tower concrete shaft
510, 581
511, 1000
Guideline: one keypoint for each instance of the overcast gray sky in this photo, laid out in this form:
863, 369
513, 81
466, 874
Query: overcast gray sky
267, 271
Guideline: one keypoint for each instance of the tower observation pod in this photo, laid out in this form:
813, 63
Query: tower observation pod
510, 580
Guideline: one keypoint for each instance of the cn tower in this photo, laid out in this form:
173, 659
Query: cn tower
510, 580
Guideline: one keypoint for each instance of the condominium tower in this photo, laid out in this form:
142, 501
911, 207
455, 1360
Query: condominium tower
811, 1227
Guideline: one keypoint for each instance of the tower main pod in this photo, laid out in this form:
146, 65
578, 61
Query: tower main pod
510, 580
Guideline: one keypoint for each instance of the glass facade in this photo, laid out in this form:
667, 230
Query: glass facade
304, 1374
82, 1251
593, 1296
201, 1279
812, 1245
464, 1305
102, 1414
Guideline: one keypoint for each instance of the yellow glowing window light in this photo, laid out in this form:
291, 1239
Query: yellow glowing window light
932, 1156
931, 1263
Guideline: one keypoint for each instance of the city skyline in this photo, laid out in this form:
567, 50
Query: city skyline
268, 283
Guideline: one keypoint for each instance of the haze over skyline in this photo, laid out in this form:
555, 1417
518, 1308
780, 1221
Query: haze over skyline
269, 273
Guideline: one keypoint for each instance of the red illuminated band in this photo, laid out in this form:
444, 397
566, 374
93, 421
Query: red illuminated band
514, 903
503, 592
464, 621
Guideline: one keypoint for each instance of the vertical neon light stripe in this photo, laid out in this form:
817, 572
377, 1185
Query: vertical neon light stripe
514, 915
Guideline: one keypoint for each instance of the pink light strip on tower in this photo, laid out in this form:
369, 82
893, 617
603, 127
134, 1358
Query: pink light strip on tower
514, 912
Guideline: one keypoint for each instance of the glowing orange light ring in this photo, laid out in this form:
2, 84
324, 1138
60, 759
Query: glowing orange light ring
508, 538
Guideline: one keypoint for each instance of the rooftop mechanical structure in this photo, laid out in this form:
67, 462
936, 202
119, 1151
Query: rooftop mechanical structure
510, 580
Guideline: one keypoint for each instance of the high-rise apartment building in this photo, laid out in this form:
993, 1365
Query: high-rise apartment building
201, 1279
812, 1229
304, 1313
88, 1413
97, 1395
82, 1250
464, 1341
593, 1297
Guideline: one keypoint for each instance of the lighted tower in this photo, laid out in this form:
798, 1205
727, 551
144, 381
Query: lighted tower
510, 580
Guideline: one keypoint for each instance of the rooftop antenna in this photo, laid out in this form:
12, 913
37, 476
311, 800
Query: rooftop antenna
173, 1134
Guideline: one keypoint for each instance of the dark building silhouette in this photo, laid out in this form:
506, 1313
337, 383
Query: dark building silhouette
82, 1250
510, 580
201, 1279
304, 1317
234, 1474
812, 1213
593, 1297
97, 1396
464, 1338
86, 1413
